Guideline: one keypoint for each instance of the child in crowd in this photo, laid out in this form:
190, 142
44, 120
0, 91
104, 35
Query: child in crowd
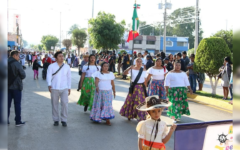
153, 133
35, 68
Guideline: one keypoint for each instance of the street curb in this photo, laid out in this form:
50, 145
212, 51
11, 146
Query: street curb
209, 101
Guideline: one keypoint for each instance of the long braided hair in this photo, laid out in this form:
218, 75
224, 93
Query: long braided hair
102, 66
92, 55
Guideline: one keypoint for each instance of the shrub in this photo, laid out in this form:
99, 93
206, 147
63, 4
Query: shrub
210, 56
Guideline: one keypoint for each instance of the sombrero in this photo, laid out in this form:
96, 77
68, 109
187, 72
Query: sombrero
153, 102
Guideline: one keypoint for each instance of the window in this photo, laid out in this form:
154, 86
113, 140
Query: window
137, 42
181, 43
169, 43
151, 42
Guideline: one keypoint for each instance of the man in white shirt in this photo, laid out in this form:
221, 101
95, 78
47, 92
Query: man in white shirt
50, 54
69, 61
59, 84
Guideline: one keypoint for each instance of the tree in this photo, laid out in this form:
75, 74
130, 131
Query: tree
79, 37
183, 24
227, 36
73, 27
67, 43
105, 32
209, 58
40, 47
25, 43
49, 41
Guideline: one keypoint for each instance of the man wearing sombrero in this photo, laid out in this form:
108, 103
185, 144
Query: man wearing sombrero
153, 133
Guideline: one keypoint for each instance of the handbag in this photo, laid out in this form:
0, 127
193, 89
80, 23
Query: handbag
57, 71
131, 88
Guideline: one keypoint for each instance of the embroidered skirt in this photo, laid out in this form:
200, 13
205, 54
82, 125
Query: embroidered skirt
156, 87
102, 106
87, 93
132, 101
179, 107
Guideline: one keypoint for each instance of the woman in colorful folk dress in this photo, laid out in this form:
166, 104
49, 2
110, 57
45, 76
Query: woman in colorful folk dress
102, 104
153, 133
157, 73
175, 83
87, 84
137, 92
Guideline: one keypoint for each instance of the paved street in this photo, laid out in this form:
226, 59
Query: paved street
81, 133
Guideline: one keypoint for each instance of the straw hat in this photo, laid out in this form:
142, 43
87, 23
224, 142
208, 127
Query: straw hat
153, 102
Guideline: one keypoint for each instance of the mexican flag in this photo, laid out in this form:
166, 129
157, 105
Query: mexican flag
135, 24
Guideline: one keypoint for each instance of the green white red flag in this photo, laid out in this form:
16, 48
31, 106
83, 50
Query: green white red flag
135, 24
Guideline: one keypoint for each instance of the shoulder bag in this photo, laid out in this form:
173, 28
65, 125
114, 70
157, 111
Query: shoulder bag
57, 71
135, 81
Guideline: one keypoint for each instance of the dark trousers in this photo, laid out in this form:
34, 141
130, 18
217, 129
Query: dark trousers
124, 68
230, 89
193, 82
111, 67
16, 96
29, 62
114, 68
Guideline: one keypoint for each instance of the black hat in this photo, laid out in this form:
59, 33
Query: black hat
166, 58
179, 54
184, 52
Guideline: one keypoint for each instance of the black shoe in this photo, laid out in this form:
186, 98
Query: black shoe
55, 123
85, 108
20, 124
64, 124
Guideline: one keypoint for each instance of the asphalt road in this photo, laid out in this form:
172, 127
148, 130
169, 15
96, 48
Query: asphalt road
81, 133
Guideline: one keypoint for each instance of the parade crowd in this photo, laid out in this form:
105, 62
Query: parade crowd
158, 83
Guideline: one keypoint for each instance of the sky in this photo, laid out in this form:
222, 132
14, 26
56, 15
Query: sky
42, 17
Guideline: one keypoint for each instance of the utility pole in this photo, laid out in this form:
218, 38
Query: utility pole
60, 30
196, 26
165, 30
92, 8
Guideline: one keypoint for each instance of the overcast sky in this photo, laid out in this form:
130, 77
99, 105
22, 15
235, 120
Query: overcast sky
42, 17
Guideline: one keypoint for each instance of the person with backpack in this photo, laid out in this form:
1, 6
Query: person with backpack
15, 86
157, 75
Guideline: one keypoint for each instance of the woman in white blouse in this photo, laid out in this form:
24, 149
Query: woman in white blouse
87, 84
137, 93
102, 104
157, 73
175, 83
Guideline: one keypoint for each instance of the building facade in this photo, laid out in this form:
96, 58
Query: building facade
154, 44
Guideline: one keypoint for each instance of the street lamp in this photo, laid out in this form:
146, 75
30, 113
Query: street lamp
166, 6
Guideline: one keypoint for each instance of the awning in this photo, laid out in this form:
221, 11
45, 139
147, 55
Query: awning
182, 39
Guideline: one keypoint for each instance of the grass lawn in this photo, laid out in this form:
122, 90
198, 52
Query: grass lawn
218, 97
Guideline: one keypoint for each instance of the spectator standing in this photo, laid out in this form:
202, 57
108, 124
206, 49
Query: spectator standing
124, 64
185, 59
114, 61
47, 59
179, 55
69, 60
134, 55
23, 57
192, 74
29, 59
168, 64
15, 86
226, 70
119, 63
149, 62
59, 85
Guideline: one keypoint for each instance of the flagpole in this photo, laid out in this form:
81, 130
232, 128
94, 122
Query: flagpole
132, 49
